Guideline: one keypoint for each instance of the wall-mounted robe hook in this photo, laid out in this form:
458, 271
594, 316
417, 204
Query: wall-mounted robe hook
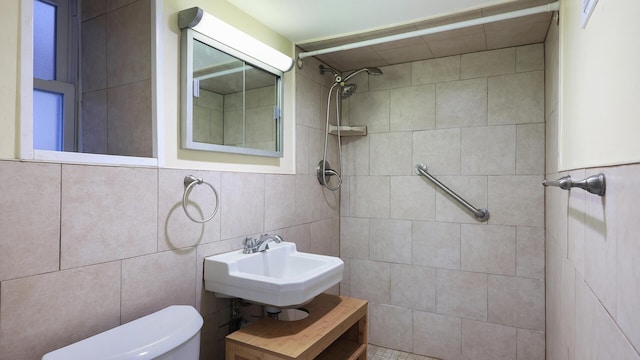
594, 184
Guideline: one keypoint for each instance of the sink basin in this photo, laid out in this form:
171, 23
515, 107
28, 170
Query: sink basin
279, 276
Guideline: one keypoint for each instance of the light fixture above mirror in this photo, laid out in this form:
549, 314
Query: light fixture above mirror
207, 24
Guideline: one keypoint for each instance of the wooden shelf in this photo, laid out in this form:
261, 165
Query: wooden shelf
336, 328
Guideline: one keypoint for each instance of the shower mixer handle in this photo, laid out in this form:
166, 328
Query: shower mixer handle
323, 171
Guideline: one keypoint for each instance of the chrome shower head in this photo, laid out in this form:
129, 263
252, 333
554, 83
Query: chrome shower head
369, 70
374, 71
348, 90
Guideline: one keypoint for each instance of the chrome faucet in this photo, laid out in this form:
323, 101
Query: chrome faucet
252, 246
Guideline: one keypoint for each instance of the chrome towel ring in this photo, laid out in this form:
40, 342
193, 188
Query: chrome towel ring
190, 182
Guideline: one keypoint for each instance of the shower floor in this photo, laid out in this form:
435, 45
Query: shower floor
380, 353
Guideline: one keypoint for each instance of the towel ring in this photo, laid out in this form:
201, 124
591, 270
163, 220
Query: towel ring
189, 182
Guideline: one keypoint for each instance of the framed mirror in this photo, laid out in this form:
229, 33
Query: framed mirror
230, 101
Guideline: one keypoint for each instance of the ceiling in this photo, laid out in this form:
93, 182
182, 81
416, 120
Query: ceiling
313, 24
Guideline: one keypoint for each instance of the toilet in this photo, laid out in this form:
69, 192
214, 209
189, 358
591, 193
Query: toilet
172, 333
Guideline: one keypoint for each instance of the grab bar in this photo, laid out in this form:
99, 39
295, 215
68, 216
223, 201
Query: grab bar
594, 184
480, 214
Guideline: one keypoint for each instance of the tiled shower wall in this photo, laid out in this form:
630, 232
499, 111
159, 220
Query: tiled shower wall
116, 78
86, 248
439, 282
592, 252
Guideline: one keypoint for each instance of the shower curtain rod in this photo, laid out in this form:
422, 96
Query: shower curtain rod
555, 6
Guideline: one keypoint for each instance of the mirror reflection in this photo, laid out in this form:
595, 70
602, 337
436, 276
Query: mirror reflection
235, 105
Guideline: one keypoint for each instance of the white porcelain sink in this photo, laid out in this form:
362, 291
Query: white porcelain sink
280, 276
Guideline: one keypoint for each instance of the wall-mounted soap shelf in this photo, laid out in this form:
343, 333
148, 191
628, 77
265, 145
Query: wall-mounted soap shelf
345, 130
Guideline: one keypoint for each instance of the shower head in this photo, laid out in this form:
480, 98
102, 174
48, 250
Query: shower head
369, 70
324, 69
348, 90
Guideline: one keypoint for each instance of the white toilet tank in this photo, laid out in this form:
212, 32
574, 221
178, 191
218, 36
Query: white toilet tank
171, 333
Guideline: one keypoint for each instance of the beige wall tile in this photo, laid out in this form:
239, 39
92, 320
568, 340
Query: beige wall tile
488, 150
280, 201
523, 30
600, 238
95, 122
437, 335
517, 98
530, 149
313, 201
393, 77
111, 214
242, 204
524, 204
91, 8
129, 120
556, 206
324, 237
575, 219
627, 266
369, 196
460, 41
391, 154
129, 44
370, 280
413, 108
57, 309
436, 244
175, 229
412, 199
485, 341
597, 335
302, 150
355, 155
488, 63
530, 57
354, 237
488, 249
390, 327
205, 301
517, 302
439, 150
530, 345
461, 103
29, 218
308, 102
413, 287
371, 109
345, 197
390, 241
436, 70
530, 252
144, 292
94, 52
462, 294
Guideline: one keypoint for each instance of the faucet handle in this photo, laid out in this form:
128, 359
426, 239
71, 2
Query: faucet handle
249, 245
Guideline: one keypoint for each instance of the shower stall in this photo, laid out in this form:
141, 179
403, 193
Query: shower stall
343, 90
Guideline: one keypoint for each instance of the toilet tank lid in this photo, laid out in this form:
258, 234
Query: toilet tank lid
145, 338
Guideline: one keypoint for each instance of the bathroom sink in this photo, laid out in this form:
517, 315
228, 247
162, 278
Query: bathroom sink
279, 276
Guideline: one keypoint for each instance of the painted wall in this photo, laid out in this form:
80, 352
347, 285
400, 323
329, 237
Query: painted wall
592, 246
600, 83
438, 282
9, 65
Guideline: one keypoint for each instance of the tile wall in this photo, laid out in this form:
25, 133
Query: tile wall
440, 283
116, 78
592, 248
86, 248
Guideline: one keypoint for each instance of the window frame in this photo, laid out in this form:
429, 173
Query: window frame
26, 85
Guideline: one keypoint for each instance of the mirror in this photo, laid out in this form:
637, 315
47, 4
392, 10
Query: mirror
230, 103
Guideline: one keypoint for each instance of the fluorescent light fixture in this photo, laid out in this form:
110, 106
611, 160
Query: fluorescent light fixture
207, 24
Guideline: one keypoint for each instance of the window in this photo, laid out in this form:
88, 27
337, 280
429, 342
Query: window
54, 67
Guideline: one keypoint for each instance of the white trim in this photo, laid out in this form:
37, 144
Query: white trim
157, 82
86, 158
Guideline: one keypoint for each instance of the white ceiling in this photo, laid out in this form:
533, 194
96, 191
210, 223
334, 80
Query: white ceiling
304, 21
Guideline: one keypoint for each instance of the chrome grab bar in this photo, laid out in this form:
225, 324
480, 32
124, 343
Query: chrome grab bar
480, 214
594, 184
